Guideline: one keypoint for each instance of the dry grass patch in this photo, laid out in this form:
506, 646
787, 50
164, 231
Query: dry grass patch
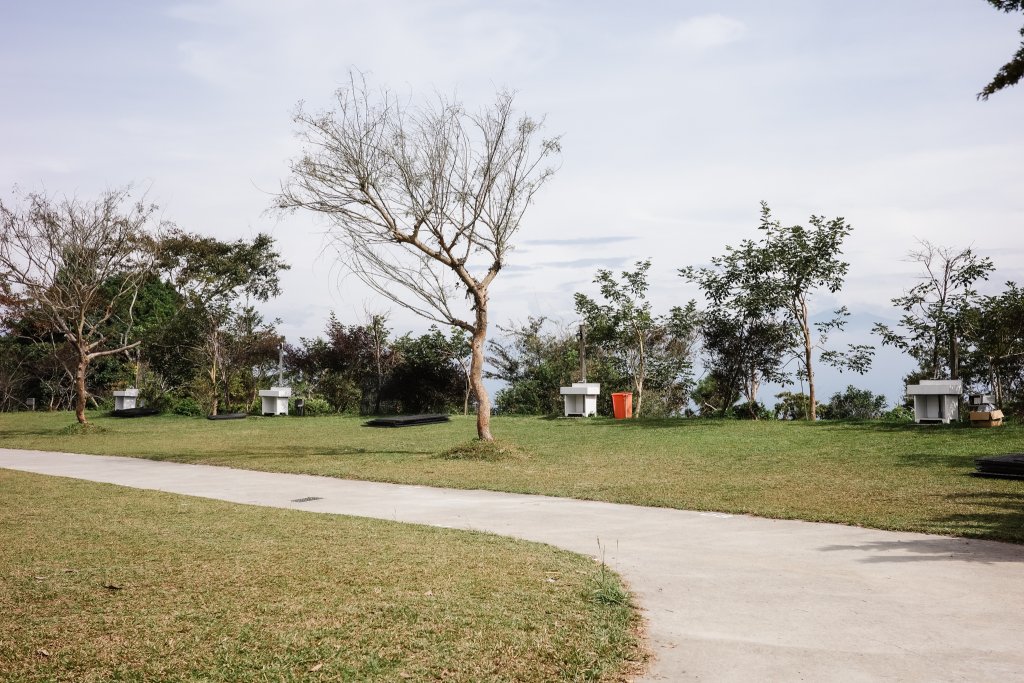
486, 451
99, 583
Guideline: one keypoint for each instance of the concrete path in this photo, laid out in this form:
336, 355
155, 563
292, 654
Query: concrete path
727, 598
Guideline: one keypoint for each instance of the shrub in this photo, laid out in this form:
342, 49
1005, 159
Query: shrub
792, 406
105, 404
854, 404
899, 414
751, 410
314, 407
187, 406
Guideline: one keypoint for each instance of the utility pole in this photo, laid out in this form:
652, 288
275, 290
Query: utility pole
583, 353
280, 365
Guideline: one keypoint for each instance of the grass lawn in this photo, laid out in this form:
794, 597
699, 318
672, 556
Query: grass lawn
99, 583
872, 474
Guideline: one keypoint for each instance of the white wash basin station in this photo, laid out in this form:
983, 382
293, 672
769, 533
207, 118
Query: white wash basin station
581, 399
936, 400
275, 400
125, 399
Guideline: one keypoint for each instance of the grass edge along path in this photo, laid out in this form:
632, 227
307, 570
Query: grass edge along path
873, 474
100, 582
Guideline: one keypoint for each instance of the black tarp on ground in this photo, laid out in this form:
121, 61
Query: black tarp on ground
406, 420
1009, 466
134, 412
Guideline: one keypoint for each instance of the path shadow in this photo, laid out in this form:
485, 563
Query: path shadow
932, 550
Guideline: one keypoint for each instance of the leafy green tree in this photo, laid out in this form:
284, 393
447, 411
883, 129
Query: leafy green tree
774, 280
216, 278
795, 264
645, 346
77, 266
1013, 70
744, 339
426, 377
350, 367
854, 404
709, 395
993, 327
250, 357
931, 329
534, 363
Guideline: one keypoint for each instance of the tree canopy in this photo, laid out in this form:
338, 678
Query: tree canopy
1011, 72
74, 268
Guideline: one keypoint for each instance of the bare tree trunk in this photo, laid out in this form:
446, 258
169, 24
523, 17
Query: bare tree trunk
213, 373
83, 363
641, 374
483, 409
812, 407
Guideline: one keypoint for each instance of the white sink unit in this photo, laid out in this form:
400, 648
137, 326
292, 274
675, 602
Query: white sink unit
936, 400
275, 400
581, 399
125, 399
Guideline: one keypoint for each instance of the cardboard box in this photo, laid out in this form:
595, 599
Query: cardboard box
992, 419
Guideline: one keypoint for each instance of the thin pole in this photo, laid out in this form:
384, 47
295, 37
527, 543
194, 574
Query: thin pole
583, 353
280, 365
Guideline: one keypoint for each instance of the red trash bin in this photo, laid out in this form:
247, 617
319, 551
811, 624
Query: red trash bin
622, 405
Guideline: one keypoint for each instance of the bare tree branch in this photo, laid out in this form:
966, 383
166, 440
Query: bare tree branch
424, 200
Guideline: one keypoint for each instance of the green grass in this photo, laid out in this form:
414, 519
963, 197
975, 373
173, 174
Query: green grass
872, 474
100, 583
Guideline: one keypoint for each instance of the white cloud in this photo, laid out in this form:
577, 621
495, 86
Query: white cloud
708, 31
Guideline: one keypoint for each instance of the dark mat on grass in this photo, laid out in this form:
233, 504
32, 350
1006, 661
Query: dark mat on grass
228, 416
406, 420
1009, 466
134, 412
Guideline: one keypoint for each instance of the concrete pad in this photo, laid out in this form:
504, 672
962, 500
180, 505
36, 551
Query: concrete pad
727, 597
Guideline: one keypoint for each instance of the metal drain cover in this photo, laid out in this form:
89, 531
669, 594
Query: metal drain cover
306, 500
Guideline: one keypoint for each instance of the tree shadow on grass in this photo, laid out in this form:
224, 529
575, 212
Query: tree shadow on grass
29, 432
338, 451
290, 452
958, 461
1001, 515
671, 423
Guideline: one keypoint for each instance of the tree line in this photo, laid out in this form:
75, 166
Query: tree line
425, 200
97, 296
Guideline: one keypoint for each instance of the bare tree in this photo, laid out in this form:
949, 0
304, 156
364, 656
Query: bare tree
932, 319
78, 266
424, 199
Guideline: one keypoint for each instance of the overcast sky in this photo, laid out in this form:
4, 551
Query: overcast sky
677, 119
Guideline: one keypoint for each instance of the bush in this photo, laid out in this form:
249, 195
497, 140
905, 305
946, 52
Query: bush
187, 406
792, 406
105, 404
854, 404
899, 414
752, 410
315, 407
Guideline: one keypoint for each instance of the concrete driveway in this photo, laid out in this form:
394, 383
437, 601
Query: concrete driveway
726, 597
